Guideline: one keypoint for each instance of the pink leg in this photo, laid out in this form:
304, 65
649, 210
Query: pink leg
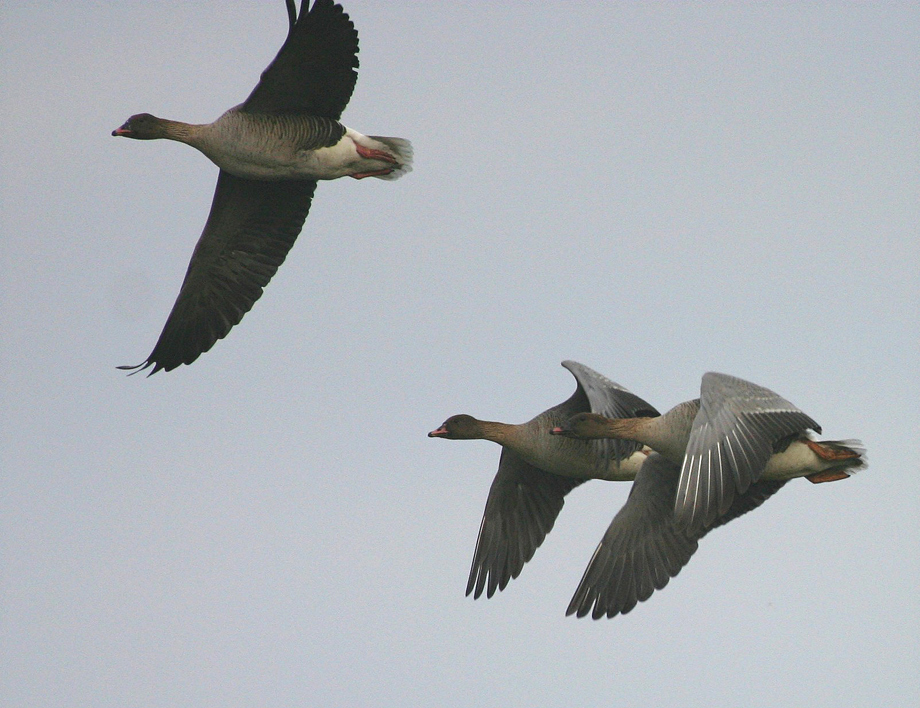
374, 154
376, 173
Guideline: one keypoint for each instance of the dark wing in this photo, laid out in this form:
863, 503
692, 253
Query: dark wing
641, 550
644, 547
315, 70
522, 507
251, 228
755, 495
733, 436
609, 399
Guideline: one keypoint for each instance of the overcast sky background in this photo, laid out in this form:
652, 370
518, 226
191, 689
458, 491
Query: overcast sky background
653, 190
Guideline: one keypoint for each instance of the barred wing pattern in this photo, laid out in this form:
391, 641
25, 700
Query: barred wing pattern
524, 500
641, 550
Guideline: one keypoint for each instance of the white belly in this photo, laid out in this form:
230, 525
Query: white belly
797, 460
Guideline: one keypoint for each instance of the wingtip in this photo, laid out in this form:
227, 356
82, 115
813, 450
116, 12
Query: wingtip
137, 368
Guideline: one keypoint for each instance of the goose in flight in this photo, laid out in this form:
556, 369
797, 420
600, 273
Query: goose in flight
720, 456
644, 546
271, 150
536, 471
733, 435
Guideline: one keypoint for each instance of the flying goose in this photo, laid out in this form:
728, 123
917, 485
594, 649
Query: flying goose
271, 150
536, 471
735, 434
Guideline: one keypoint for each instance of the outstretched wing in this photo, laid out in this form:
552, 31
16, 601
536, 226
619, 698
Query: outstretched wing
251, 228
641, 550
315, 70
733, 436
610, 399
643, 547
522, 507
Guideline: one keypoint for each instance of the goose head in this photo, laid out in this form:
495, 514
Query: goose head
459, 427
584, 426
142, 126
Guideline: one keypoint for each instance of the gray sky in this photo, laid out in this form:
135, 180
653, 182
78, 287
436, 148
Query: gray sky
653, 190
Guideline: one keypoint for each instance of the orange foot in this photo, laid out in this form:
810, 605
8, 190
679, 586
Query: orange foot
374, 155
830, 453
376, 173
826, 476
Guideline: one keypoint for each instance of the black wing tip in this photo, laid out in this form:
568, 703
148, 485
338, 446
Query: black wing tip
152, 361
476, 583
596, 609
138, 368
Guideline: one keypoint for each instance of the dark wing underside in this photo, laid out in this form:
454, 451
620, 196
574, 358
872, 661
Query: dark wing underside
644, 547
523, 504
253, 224
314, 72
251, 228
755, 495
641, 550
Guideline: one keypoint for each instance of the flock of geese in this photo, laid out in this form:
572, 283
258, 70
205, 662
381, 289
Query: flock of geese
698, 466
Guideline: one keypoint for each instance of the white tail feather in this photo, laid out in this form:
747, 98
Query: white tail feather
401, 149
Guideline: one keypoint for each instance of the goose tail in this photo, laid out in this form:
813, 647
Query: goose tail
401, 149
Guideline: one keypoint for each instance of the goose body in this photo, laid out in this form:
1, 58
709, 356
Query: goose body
716, 458
735, 434
271, 150
281, 147
537, 470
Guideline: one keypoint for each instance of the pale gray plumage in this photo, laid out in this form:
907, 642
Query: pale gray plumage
737, 428
609, 399
716, 458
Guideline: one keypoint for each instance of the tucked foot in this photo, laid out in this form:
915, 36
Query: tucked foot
376, 173
831, 452
826, 476
372, 154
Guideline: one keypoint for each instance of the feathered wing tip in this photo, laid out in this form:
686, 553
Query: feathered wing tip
138, 368
402, 150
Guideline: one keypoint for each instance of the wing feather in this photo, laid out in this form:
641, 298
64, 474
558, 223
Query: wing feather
737, 428
314, 72
251, 228
522, 507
